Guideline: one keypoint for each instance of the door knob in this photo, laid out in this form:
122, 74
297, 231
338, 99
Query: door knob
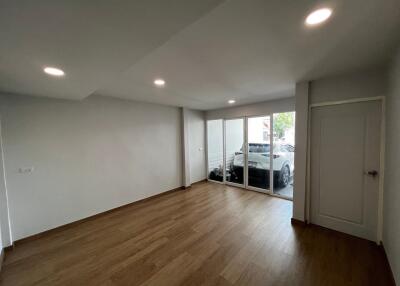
372, 173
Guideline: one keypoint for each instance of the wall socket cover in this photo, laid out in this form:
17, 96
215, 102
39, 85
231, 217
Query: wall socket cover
25, 170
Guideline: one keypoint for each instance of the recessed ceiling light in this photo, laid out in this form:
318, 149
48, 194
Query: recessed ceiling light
318, 16
159, 82
53, 71
231, 101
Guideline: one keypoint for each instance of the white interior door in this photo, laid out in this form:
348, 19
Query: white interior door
345, 156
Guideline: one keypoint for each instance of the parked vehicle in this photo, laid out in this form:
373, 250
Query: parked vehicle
259, 165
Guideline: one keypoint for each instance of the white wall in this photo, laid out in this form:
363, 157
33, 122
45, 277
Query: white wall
1, 244
185, 147
197, 155
5, 239
88, 157
300, 162
367, 83
391, 225
261, 108
2, 198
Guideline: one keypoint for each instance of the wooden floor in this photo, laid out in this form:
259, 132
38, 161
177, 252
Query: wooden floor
210, 235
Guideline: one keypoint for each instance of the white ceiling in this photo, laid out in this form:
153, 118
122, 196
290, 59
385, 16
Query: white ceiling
92, 41
208, 52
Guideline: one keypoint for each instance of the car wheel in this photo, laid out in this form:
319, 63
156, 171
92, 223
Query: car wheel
284, 176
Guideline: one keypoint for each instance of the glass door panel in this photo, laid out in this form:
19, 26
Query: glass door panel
215, 150
258, 152
283, 153
234, 153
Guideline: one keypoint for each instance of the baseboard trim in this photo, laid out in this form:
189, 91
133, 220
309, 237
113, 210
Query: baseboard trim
196, 183
296, 221
75, 223
8, 248
387, 263
200, 182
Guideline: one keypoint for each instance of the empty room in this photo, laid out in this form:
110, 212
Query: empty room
200, 142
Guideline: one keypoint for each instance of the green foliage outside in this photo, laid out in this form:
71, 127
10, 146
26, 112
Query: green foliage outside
282, 122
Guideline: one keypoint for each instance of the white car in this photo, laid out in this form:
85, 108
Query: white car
259, 164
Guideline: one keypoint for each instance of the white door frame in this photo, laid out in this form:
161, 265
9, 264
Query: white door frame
381, 157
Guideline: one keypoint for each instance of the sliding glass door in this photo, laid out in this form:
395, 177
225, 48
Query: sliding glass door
258, 153
234, 151
283, 153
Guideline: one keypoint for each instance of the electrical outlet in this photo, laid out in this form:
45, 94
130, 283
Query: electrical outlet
25, 170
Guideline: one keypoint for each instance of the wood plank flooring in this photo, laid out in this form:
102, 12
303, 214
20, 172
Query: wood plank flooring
209, 235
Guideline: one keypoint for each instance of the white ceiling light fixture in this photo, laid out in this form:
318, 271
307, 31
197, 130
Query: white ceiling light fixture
159, 82
318, 16
54, 71
231, 101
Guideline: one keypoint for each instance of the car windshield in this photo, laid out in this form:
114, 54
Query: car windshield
258, 148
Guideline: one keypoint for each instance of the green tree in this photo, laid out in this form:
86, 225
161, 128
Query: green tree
282, 122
